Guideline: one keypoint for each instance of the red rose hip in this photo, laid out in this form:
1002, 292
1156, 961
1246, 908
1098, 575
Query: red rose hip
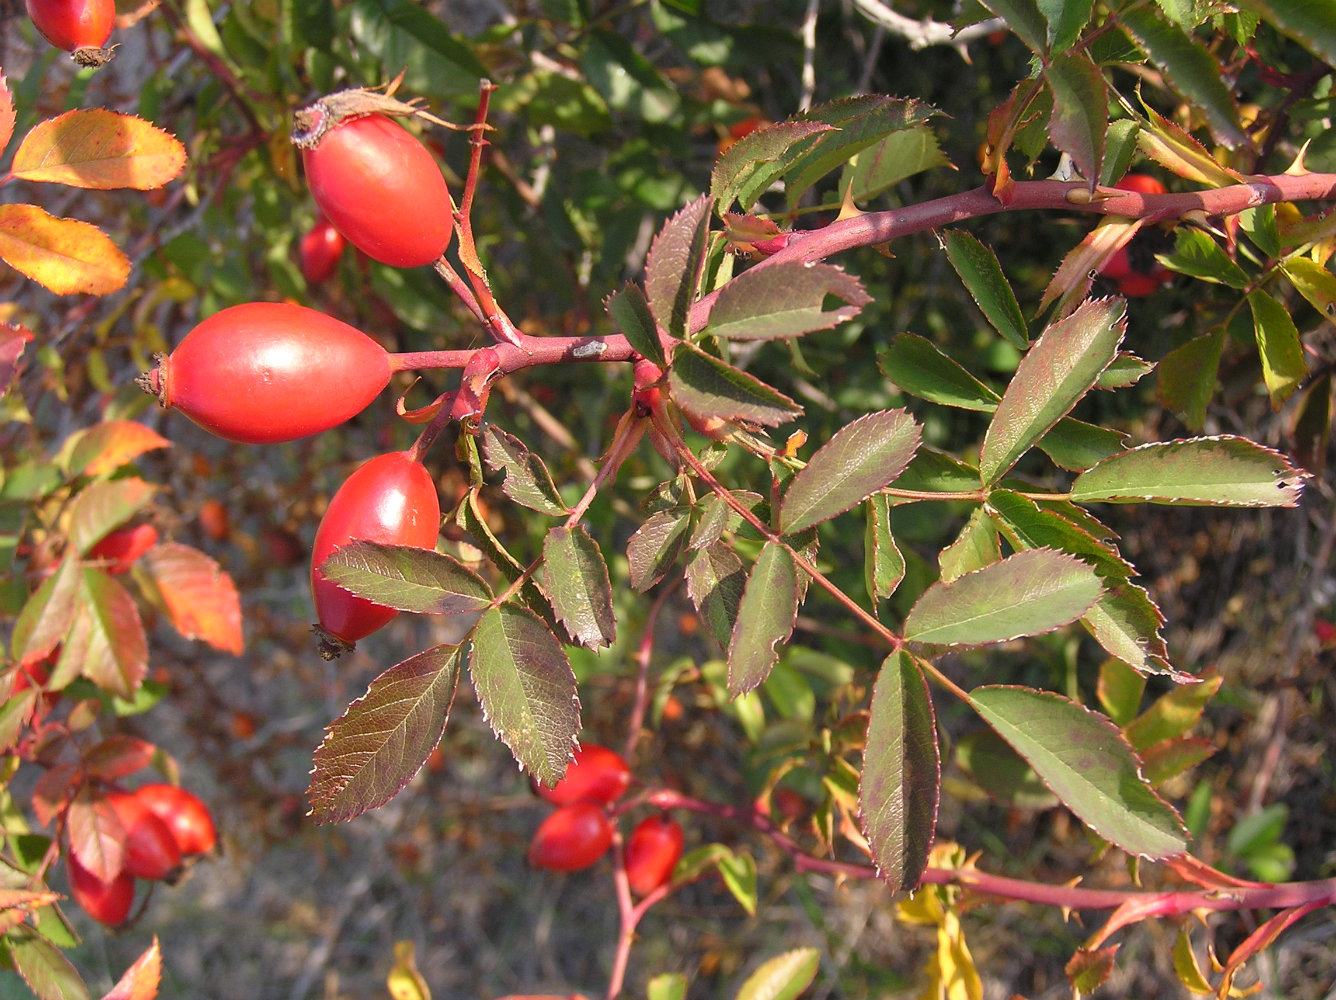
571, 838
184, 813
596, 774
74, 24
106, 902
320, 251
151, 850
652, 852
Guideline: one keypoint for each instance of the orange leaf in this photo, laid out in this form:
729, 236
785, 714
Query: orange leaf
199, 598
110, 445
65, 255
6, 113
140, 981
101, 149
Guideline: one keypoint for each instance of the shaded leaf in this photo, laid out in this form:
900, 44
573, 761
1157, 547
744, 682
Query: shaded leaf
1278, 343
471, 519
901, 782
704, 386
1127, 370
765, 617
1066, 20
100, 149
373, 750
756, 161
103, 506
1023, 17
673, 266
917, 366
629, 309
527, 689
1002, 772
577, 582
1221, 471
42, 966
1075, 445
106, 447
784, 300
1119, 690
1195, 253
199, 597
863, 457
899, 155
1080, 110
527, 480
783, 977
65, 256
655, 546
106, 637
979, 269
1187, 377
883, 563
974, 548
1163, 761
1028, 593
1083, 757
407, 578
715, 581
1306, 20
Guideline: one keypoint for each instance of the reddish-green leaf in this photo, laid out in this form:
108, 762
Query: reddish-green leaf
1119, 690
373, 750
765, 618
106, 638
200, 599
97, 148
629, 309
1057, 371
901, 783
1172, 714
715, 581
883, 563
862, 458
655, 546
1212, 472
673, 266
6, 112
784, 300
43, 967
46, 616
1028, 593
1163, 761
140, 981
96, 836
783, 977
1002, 772
576, 578
1080, 110
118, 756
106, 447
707, 387
102, 506
1278, 343
979, 269
407, 578
527, 480
1187, 377
1088, 969
1083, 757
65, 256
527, 689
756, 161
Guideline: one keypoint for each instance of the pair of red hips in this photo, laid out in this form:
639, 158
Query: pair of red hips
163, 825
579, 832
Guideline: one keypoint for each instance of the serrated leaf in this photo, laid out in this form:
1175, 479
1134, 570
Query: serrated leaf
1089, 968
901, 782
1169, 145
756, 161
103, 506
1279, 345
1080, 110
883, 563
783, 977
106, 447
371, 752
407, 578
1221, 471
471, 519
199, 597
1187, 377
107, 636
1002, 772
1084, 759
527, 689
1309, 21
1195, 253
1028, 593
42, 966
1066, 20
1127, 370
784, 300
65, 256
917, 366
96, 836
1075, 445
1023, 17
99, 149
673, 266
1057, 371
1190, 69
527, 480
707, 387
47, 614
655, 546
978, 268
863, 457
765, 617
577, 582
141, 979
898, 156
629, 309
715, 581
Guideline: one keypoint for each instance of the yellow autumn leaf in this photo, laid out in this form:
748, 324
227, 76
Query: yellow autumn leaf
97, 148
404, 980
65, 255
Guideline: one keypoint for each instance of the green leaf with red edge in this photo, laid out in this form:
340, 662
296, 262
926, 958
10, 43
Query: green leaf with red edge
1190, 68
106, 639
765, 617
99, 149
1223, 471
715, 582
1080, 110
978, 268
891, 160
629, 309
43, 967
65, 256
1172, 714
1085, 760
407, 578
118, 756
526, 688
1163, 761
917, 366
704, 386
1187, 377
527, 480
199, 598
108, 446
96, 836
673, 265
754, 162
1119, 690
47, 615
141, 980
376, 747
863, 457
784, 300
1088, 969
7, 117
1169, 145
471, 519
1060, 368
1308, 22
576, 578
1027, 593
883, 563
1075, 445
1278, 343
103, 506
900, 787
655, 546
783, 977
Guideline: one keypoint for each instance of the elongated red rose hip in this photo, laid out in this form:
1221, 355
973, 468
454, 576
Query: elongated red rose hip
270, 371
391, 499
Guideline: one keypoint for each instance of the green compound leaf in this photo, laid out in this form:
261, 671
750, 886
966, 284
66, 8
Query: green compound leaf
576, 578
901, 783
673, 266
756, 161
1088, 764
706, 387
629, 309
407, 578
527, 480
917, 366
978, 268
1309, 21
373, 750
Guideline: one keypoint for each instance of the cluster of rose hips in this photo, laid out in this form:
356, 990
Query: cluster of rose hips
579, 831
163, 826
